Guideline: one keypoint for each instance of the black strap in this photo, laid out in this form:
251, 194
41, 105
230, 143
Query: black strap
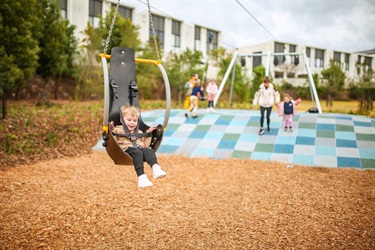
132, 137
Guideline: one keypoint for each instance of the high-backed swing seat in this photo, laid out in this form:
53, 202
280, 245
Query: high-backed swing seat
121, 88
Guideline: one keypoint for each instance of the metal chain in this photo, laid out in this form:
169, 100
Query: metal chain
111, 27
153, 31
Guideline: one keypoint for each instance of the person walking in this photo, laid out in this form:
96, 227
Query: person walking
266, 96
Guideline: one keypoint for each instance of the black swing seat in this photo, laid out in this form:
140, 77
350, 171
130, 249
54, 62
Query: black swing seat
123, 90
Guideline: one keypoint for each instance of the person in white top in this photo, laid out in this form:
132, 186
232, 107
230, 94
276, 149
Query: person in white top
266, 96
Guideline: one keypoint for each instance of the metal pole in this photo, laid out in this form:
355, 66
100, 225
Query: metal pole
312, 84
222, 84
268, 64
231, 86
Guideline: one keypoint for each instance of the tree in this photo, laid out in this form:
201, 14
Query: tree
258, 77
367, 91
335, 81
57, 44
18, 42
180, 67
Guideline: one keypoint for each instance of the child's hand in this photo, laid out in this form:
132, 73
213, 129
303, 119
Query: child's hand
111, 124
152, 128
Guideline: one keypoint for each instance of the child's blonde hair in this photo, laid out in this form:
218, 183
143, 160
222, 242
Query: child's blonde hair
131, 110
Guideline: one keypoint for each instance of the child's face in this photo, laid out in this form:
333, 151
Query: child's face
286, 99
131, 122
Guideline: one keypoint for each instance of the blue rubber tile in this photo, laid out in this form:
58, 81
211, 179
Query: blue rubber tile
167, 149
325, 150
362, 124
198, 134
248, 137
255, 118
191, 120
346, 143
213, 135
339, 117
345, 135
203, 152
224, 120
306, 132
173, 141
235, 122
329, 127
226, 144
348, 162
368, 153
284, 149
305, 140
303, 159
290, 140
261, 156
284, 158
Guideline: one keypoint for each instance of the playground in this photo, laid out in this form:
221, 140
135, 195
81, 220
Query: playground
217, 194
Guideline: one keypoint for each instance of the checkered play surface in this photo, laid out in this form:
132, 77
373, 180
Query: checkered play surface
327, 140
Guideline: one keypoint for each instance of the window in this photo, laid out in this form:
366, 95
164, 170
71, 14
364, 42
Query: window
197, 39
63, 4
279, 60
124, 12
308, 52
176, 34
95, 10
159, 29
367, 63
337, 58
257, 60
212, 39
359, 64
319, 58
347, 60
292, 48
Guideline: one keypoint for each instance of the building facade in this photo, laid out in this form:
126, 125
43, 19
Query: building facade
292, 68
176, 36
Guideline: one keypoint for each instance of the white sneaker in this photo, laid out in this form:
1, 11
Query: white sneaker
143, 181
158, 172
212, 109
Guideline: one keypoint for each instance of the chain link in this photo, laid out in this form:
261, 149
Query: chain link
153, 31
111, 27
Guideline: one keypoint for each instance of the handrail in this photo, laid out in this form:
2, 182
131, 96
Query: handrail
136, 59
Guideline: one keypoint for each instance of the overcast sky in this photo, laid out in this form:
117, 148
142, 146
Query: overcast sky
344, 25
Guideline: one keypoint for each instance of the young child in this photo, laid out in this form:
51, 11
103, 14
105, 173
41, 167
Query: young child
194, 99
287, 108
141, 152
211, 90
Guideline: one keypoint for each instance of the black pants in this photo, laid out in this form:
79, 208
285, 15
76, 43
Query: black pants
141, 155
262, 109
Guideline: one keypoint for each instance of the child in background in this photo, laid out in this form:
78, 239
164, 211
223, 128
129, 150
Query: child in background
140, 150
287, 109
194, 99
211, 90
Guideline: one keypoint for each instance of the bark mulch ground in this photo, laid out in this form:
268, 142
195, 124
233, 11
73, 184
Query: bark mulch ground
87, 202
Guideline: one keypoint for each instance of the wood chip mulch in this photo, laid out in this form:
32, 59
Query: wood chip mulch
87, 202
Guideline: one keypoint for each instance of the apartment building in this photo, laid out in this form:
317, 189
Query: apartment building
292, 68
176, 36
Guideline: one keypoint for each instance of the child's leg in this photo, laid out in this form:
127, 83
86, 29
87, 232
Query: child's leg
195, 104
137, 156
150, 158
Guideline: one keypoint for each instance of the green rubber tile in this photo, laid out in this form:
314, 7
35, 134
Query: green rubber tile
308, 125
264, 147
367, 163
365, 137
241, 154
325, 133
344, 128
